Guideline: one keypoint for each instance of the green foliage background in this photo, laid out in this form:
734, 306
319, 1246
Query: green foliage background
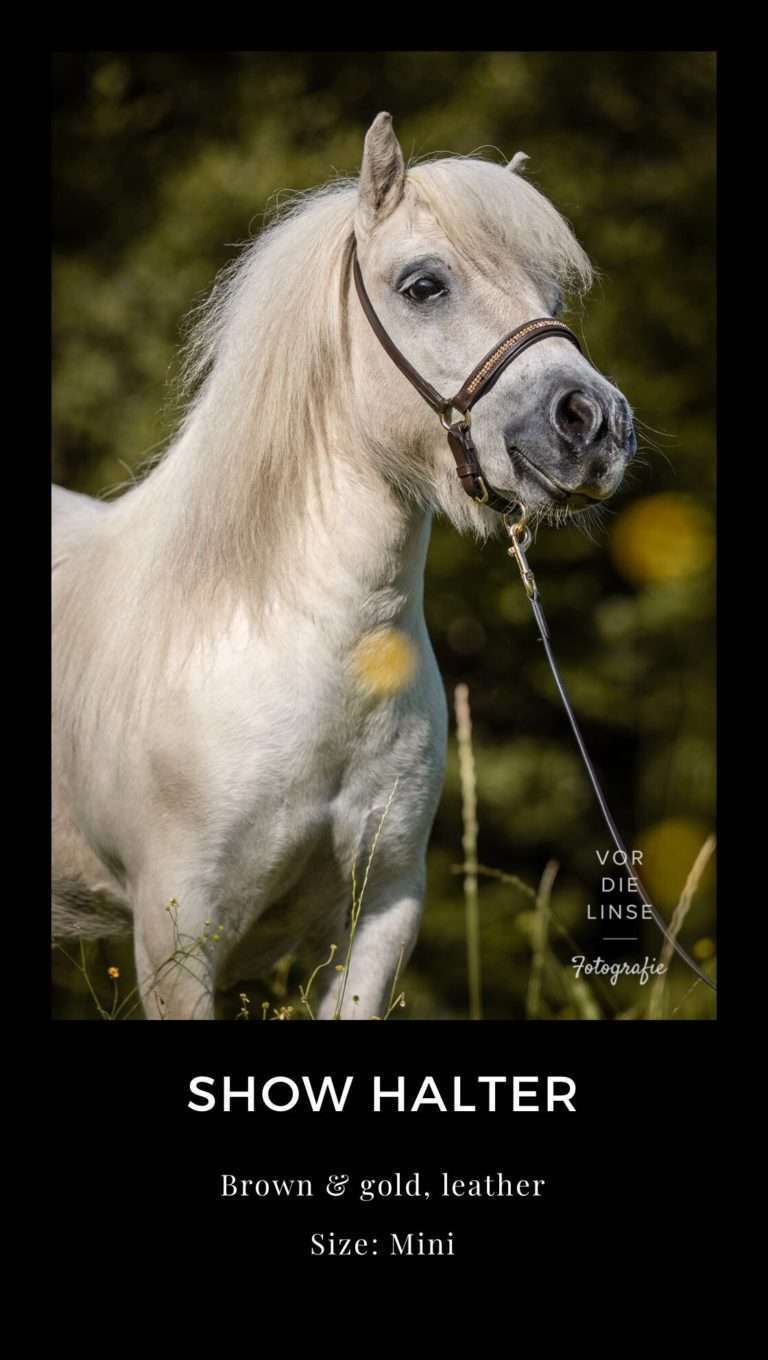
164, 161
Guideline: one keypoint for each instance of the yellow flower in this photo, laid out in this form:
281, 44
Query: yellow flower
662, 538
113, 972
669, 849
384, 661
704, 948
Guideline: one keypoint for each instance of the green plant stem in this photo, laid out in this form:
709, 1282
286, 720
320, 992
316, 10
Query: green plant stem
540, 939
469, 846
357, 903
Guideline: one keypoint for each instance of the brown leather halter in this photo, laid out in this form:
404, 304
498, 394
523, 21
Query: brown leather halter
480, 380
475, 484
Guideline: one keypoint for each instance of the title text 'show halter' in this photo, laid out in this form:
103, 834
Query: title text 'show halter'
512, 511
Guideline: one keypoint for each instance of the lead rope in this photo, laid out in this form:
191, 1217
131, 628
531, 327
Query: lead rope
520, 540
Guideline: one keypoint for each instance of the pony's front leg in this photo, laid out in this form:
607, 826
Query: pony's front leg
175, 949
383, 940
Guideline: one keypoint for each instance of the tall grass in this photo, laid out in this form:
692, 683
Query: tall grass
589, 1002
469, 846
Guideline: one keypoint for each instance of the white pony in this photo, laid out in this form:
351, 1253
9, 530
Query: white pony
242, 672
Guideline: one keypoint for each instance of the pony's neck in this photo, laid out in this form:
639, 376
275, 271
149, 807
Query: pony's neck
344, 550
363, 562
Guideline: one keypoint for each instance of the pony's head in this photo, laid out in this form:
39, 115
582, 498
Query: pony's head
296, 410
456, 253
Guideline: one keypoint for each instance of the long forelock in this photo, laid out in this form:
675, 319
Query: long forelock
500, 222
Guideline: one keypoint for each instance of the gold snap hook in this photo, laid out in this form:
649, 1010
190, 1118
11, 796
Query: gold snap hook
520, 540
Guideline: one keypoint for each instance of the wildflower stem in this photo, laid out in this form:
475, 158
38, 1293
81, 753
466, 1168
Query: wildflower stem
656, 999
357, 902
469, 845
540, 938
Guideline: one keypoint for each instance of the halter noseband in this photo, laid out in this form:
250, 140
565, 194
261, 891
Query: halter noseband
477, 384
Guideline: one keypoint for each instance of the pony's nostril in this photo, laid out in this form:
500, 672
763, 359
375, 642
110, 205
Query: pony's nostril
578, 417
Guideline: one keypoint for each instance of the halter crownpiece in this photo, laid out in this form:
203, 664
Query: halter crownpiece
477, 384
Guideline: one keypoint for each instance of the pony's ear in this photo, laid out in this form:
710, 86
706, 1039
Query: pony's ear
382, 173
517, 162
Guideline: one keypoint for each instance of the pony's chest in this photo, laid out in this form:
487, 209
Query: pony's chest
321, 766
305, 768
297, 828
280, 771
318, 711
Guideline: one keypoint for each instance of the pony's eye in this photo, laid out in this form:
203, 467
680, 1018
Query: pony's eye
424, 289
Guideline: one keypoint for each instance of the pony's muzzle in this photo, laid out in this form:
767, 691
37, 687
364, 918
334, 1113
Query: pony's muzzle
596, 433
